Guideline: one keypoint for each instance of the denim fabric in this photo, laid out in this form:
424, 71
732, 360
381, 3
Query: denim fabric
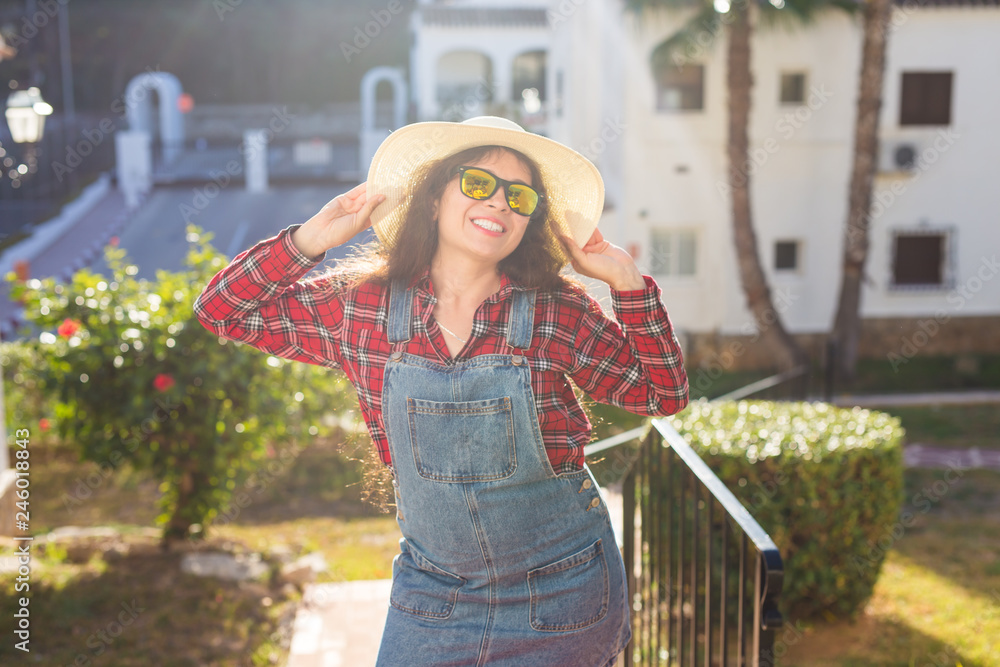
502, 561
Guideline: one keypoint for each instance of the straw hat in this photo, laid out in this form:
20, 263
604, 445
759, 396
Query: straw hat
573, 186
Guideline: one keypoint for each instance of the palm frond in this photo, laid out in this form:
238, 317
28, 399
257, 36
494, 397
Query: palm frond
799, 13
704, 23
640, 7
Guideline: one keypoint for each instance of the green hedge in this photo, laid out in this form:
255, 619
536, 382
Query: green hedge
825, 482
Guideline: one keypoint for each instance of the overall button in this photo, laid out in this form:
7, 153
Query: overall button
586, 485
396, 356
517, 359
594, 503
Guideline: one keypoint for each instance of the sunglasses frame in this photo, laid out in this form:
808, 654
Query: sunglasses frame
499, 182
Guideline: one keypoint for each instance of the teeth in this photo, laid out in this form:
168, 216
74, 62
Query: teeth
487, 225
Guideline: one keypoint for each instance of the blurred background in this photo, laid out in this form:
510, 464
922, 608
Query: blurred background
808, 182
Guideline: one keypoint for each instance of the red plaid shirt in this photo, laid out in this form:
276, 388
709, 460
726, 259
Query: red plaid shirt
259, 299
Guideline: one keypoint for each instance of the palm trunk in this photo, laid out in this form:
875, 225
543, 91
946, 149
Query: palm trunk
787, 353
847, 324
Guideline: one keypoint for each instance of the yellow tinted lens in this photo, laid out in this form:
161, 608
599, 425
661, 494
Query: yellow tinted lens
478, 184
522, 199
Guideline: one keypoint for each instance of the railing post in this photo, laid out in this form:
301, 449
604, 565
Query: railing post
628, 537
665, 551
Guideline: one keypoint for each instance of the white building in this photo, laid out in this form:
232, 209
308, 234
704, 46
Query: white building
658, 134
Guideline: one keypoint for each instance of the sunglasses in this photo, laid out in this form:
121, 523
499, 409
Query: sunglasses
480, 184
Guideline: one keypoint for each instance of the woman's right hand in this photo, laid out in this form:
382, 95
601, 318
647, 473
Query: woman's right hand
341, 219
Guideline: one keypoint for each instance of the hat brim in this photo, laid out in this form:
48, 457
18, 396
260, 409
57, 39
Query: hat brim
574, 188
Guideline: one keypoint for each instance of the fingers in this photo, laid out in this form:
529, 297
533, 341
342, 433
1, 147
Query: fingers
357, 190
363, 219
571, 247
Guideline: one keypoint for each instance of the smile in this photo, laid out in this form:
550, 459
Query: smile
488, 225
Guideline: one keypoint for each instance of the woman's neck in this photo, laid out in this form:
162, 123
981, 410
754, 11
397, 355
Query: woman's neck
463, 283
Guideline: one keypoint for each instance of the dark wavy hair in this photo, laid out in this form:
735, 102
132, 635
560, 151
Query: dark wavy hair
536, 262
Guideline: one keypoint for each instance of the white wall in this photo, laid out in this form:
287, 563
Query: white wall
958, 186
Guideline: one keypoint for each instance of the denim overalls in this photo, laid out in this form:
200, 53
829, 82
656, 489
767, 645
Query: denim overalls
502, 562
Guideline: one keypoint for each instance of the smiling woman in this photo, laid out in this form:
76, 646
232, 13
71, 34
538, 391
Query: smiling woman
462, 339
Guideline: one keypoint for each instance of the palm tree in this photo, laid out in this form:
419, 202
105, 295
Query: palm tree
847, 325
706, 23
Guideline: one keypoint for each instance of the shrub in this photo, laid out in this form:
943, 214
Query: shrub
27, 405
134, 378
825, 482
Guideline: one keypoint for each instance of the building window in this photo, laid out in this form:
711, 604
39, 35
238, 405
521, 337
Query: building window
793, 88
464, 85
786, 255
679, 86
925, 98
673, 252
528, 80
920, 259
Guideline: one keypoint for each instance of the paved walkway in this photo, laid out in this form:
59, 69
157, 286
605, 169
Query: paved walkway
341, 623
926, 398
926, 456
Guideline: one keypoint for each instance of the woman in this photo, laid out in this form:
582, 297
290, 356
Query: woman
461, 338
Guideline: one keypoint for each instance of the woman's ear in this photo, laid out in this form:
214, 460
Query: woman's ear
434, 211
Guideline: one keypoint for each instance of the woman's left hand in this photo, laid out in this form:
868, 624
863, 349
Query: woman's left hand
605, 261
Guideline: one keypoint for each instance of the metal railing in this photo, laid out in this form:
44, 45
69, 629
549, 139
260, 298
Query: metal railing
794, 382
703, 576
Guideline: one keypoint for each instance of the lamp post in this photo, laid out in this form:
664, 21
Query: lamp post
25, 112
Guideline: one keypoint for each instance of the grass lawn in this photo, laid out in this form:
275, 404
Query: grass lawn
950, 426
937, 601
180, 619
873, 376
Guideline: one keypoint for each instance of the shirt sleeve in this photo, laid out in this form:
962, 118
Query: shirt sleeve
635, 363
260, 300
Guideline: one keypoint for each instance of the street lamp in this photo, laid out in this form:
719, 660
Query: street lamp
26, 112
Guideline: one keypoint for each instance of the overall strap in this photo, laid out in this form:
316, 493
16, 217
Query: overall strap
522, 319
400, 306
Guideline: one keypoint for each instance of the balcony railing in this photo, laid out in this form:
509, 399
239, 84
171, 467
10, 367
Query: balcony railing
704, 577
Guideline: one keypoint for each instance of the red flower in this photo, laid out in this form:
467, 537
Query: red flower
113, 241
43, 424
68, 328
163, 382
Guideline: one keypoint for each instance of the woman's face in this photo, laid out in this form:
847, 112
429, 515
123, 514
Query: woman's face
487, 230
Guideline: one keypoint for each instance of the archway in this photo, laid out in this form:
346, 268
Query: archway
139, 109
371, 134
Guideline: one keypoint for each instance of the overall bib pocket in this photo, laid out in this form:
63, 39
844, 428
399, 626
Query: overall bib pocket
421, 588
571, 593
462, 441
